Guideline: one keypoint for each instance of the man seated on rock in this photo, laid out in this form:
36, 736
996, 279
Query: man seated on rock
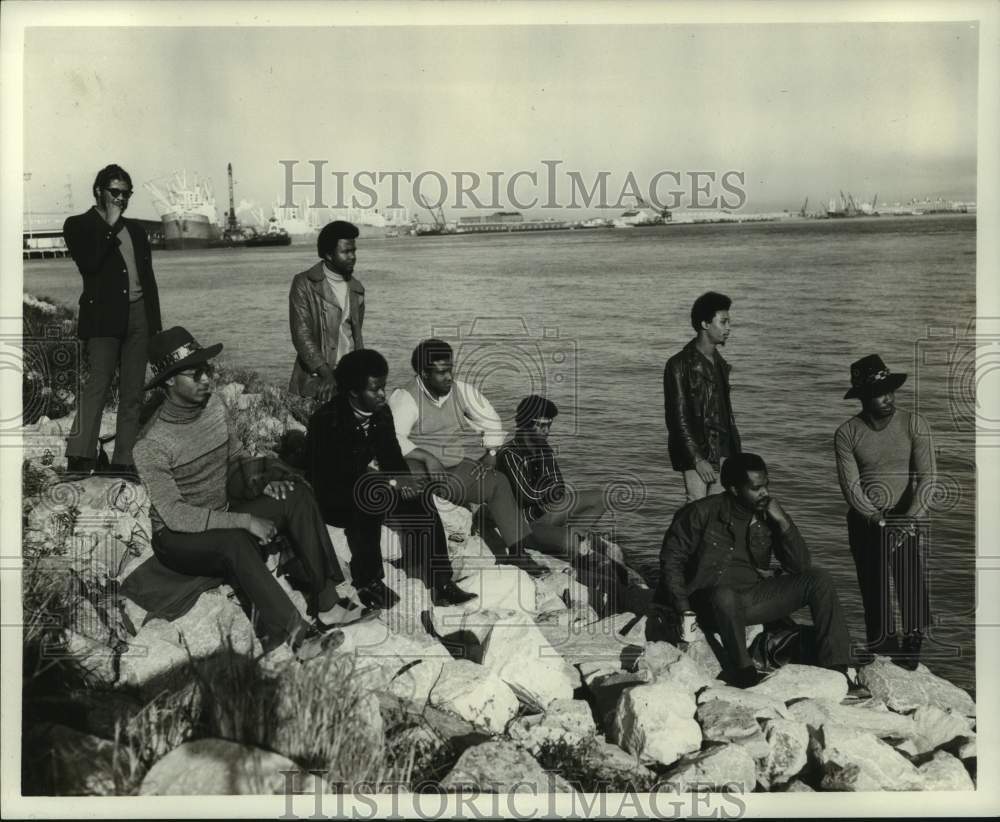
213, 509
561, 521
362, 481
448, 431
714, 570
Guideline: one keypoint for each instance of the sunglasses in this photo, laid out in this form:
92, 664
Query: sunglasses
197, 373
119, 192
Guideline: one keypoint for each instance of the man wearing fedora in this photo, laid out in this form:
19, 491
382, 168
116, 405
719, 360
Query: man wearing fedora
119, 310
886, 468
326, 309
213, 508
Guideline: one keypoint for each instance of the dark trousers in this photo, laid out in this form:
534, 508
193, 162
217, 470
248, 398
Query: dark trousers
416, 521
236, 556
493, 490
729, 610
105, 355
876, 562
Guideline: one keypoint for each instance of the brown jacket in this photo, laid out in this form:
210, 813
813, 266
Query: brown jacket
314, 318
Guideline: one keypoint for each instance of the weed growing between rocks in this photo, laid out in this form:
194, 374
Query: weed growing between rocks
580, 764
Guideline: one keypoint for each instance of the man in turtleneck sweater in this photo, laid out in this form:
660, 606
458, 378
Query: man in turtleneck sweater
213, 509
715, 569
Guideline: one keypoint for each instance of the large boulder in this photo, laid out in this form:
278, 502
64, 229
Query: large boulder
852, 760
945, 773
606, 689
721, 768
475, 694
936, 727
797, 681
819, 712
656, 723
763, 705
522, 657
566, 720
499, 766
904, 690
788, 743
615, 642
220, 767
464, 629
667, 662
725, 721
501, 587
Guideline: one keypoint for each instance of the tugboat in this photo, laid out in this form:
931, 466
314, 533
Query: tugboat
275, 235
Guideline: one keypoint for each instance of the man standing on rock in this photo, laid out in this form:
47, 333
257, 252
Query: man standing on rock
213, 509
886, 467
363, 482
715, 570
119, 311
701, 428
326, 309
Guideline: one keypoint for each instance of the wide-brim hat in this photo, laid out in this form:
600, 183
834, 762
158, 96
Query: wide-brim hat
175, 350
870, 378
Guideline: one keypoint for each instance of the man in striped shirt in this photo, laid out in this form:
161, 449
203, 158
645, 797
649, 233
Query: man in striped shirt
213, 509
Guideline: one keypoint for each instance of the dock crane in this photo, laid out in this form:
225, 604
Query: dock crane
805, 205
232, 227
440, 225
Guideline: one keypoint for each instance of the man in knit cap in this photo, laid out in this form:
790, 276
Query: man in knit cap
213, 509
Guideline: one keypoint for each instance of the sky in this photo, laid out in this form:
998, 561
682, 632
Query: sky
801, 110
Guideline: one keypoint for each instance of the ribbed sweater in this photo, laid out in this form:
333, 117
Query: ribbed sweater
184, 457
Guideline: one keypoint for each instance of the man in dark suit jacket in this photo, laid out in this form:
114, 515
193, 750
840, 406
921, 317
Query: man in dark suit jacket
361, 481
119, 312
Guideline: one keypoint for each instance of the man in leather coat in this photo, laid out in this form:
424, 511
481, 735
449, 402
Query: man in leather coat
119, 312
701, 428
326, 309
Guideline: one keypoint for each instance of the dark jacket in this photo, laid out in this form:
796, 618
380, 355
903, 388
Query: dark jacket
94, 246
339, 454
314, 318
534, 476
698, 546
694, 409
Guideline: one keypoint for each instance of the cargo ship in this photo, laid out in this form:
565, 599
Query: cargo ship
187, 210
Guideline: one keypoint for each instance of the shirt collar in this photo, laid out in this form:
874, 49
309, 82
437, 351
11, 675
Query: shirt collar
438, 401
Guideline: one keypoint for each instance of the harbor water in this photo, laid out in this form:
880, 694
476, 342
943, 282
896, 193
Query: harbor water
590, 316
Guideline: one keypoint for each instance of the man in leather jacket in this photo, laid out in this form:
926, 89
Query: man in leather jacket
119, 312
715, 569
701, 428
326, 309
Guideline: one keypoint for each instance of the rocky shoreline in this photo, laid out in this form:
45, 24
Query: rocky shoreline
526, 685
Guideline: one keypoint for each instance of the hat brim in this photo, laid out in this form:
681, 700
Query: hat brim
197, 358
890, 383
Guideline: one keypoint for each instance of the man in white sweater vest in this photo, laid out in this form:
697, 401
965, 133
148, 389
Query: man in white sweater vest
447, 429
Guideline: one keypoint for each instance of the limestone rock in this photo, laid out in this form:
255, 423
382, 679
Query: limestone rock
549, 589
945, 773
91, 657
149, 658
523, 658
702, 654
967, 750
501, 587
601, 641
788, 741
935, 727
656, 723
464, 629
755, 744
607, 689
498, 766
220, 767
569, 720
763, 706
469, 554
475, 694
818, 712
550, 562
73, 763
797, 786
904, 690
725, 767
725, 721
851, 760
796, 681
214, 621
669, 663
